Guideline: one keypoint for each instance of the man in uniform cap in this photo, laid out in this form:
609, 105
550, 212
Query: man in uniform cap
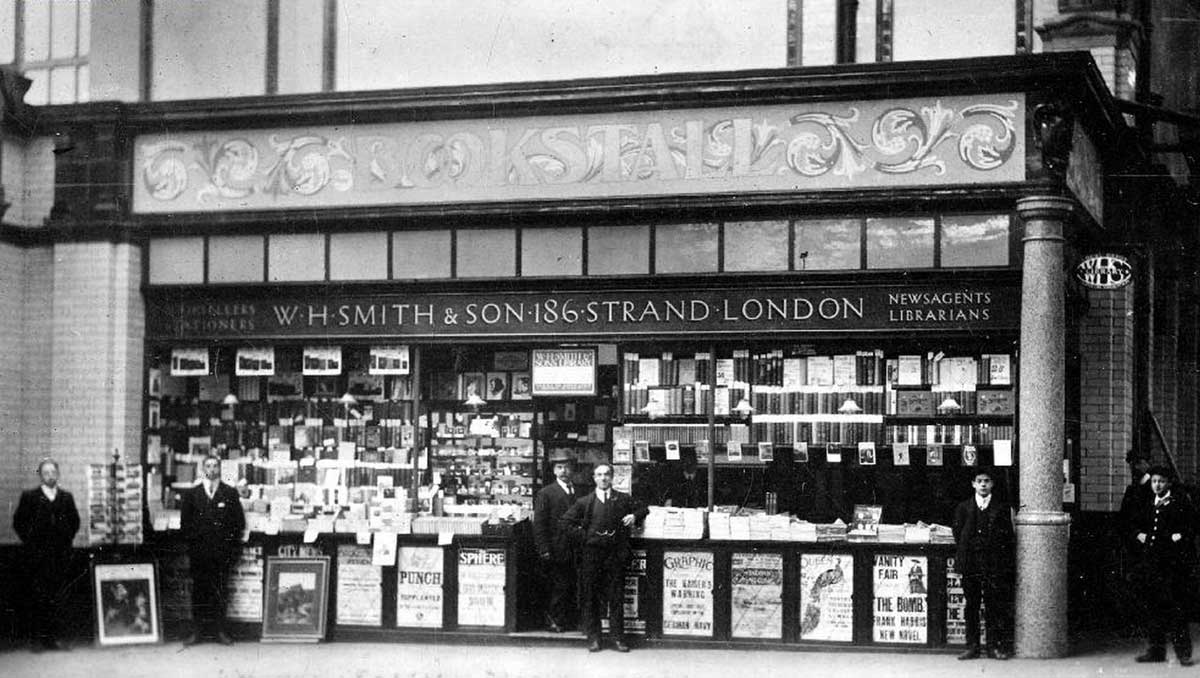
553, 540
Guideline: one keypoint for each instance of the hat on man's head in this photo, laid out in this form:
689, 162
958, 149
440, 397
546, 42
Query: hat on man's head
1135, 455
1162, 470
561, 457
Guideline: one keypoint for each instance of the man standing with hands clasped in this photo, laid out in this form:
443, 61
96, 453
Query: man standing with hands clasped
554, 544
604, 519
1163, 528
46, 521
983, 530
212, 521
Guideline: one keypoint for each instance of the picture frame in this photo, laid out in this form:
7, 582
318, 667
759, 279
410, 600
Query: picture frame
390, 360
127, 604
497, 386
296, 599
471, 383
322, 361
154, 383
520, 386
254, 362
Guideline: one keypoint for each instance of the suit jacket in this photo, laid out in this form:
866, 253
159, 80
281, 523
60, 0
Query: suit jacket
986, 539
1174, 516
212, 528
46, 527
549, 533
601, 525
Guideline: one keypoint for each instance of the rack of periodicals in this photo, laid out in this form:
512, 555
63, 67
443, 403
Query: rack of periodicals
115, 495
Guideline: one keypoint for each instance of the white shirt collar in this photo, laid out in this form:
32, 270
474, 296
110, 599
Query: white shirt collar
983, 502
602, 495
1163, 499
566, 488
210, 486
50, 492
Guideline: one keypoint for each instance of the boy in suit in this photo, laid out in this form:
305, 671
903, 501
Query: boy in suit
604, 519
983, 530
46, 522
1164, 529
212, 521
554, 546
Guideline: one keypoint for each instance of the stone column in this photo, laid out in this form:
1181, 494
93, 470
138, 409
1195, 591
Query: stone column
1042, 527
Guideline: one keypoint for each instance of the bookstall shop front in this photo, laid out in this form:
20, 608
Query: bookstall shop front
837, 304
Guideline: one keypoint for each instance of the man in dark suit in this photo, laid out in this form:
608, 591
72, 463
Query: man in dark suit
1164, 528
554, 545
983, 530
212, 522
46, 522
687, 488
604, 519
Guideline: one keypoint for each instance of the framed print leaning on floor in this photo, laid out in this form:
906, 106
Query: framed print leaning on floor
127, 603
297, 596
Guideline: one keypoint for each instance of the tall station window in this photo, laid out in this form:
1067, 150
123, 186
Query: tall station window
48, 41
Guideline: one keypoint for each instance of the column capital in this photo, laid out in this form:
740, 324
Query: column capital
1045, 207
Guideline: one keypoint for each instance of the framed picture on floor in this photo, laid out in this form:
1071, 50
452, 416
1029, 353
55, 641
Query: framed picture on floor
297, 596
127, 603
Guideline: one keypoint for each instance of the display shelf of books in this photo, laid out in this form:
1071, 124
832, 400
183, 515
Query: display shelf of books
484, 458
306, 450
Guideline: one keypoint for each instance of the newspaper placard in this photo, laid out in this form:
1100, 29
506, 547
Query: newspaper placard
358, 585
900, 606
687, 593
481, 579
827, 597
244, 589
419, 593
757, 595
634, 594
956, 609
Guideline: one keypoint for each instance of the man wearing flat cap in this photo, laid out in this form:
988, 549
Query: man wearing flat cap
553, 541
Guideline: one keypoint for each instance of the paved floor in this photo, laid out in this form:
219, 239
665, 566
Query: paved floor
1100, 656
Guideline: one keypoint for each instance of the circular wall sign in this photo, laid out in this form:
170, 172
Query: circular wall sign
1104, 271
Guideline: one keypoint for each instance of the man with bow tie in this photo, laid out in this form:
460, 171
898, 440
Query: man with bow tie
554, 545
1164, 529
212, 522
983, 530
603, 519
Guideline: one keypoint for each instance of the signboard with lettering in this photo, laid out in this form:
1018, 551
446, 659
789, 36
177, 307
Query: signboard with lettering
900, 610
687, 593
634, 594
1104, 271
968, 306
419, 591
481, 585
757, 595
244, 589
563, 372
827, 596
789, 147
358, 585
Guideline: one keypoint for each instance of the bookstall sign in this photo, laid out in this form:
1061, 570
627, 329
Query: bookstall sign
359, 582
785, 147
757, 594
900, 607
687, 593
966, 306
481, 584
563, 372
1104, 271
827, 596
633, 595
419, 587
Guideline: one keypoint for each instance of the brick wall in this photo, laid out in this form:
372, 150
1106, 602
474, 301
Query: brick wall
1165, 360
96, 348
1186, 391
1107, 354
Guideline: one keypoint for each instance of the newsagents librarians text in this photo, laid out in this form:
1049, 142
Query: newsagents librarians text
974, 306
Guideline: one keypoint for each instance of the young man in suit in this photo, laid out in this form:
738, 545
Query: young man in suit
554, 544
1164, 527
604, 519
212, 522
983, 530
46, 522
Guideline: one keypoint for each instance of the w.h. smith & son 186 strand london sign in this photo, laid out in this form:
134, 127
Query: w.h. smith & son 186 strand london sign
792, 147
969, 306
